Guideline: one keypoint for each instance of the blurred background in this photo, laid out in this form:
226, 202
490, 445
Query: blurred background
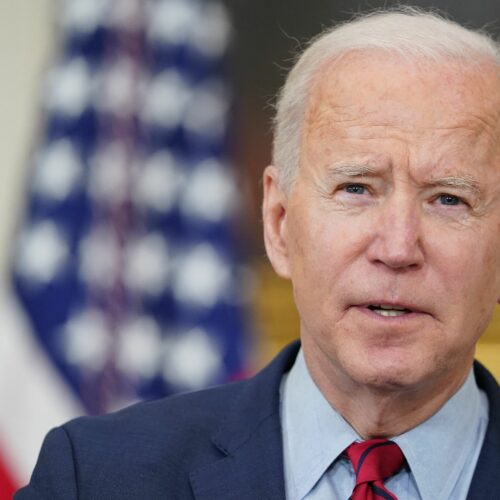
134, 135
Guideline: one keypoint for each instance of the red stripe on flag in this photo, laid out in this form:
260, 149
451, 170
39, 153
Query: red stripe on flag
7, 484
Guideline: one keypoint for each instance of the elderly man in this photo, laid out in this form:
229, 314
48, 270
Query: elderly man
383, 208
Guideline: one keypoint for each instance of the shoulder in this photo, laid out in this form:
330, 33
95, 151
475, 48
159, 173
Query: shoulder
148, 449
148, 426
487, 473
184, 423
143, 451
489, 385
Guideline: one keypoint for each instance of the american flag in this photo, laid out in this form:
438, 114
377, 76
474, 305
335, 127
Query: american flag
126, 264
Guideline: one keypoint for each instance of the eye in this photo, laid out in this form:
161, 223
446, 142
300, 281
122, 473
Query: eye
449, 199
355, 188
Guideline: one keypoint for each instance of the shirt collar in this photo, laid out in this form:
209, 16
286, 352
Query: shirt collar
438, 449
427, 447
309, 422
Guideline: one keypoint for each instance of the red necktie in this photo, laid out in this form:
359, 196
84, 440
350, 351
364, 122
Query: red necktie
374, 461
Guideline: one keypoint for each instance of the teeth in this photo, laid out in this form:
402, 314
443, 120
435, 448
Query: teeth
390, 312
389, 308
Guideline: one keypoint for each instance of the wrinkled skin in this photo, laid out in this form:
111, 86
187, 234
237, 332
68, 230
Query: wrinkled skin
396, 202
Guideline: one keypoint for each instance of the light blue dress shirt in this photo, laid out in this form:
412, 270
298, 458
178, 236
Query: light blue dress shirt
441, 452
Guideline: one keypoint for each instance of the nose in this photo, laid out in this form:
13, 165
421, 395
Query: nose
396, 236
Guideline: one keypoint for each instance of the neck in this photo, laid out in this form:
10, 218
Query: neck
376, 412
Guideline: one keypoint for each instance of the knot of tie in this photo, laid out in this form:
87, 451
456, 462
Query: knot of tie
374, 461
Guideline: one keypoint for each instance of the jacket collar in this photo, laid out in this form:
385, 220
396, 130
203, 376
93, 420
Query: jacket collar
250, 441
484, 485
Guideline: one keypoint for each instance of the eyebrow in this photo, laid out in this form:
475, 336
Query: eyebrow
467, 183
351, 170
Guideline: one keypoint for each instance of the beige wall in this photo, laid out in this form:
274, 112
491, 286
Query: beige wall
26, 34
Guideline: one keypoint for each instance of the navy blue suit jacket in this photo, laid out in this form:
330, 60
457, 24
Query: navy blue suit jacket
219, 444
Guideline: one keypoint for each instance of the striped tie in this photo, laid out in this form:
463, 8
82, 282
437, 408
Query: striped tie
374, 461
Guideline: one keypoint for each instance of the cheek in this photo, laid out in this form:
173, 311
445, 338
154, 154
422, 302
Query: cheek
317, 242
491, 265
324, 248
326, 242
306, 250
307, 243
469, 268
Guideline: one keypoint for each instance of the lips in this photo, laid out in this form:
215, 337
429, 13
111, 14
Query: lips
391, 309
388, 311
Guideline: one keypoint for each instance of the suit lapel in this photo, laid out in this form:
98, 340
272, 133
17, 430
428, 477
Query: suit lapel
485, 483
249, 441
254, 470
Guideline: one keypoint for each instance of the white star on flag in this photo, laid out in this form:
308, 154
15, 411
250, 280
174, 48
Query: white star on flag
43, 252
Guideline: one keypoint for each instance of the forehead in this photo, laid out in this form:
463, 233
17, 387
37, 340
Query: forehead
370, 92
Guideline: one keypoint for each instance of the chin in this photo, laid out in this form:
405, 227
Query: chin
386, 380
389, 381
389, 373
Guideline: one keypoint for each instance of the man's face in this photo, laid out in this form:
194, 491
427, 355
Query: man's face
391, 232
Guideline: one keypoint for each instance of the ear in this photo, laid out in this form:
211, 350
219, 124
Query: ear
274, 215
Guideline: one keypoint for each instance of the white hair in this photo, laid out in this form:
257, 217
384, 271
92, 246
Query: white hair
408, 32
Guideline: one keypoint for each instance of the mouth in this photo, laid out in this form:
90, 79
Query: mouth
389, 311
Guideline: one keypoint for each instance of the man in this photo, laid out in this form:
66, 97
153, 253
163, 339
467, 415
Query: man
383, 208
